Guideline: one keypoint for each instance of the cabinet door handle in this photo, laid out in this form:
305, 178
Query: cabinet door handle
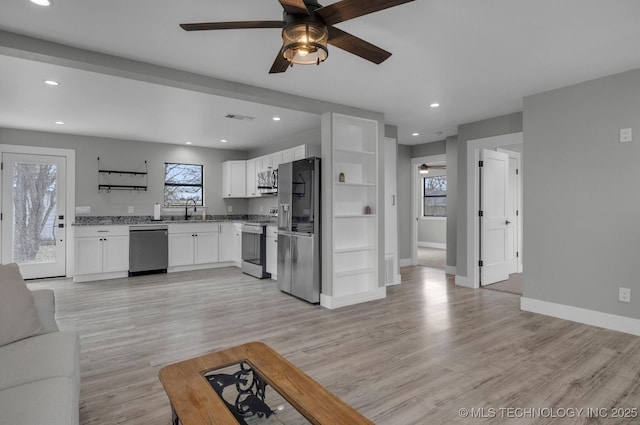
393, 197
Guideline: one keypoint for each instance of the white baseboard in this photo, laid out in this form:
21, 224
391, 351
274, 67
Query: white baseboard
331, 302
582, 315
464, 281
405, 262
450, 269
99, 276
396, 280
201, 266
433, 245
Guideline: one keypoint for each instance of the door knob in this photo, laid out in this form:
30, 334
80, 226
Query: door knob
507, 222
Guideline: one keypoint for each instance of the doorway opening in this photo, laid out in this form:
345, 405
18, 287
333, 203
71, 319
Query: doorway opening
512, 142
500, 219
429, 229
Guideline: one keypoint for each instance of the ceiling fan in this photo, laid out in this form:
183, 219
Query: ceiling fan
307, 27
424, 168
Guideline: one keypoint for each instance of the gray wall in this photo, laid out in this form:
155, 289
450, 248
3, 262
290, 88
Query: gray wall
428, 149
432, 231
311, 137
130, 155
404, 202
581, 203
505, 124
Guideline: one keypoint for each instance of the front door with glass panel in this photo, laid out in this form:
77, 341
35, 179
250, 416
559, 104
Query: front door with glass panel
33, 222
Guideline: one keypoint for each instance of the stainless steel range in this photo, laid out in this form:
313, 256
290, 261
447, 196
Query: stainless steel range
254, 250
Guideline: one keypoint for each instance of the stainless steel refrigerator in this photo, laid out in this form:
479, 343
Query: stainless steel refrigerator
299, 228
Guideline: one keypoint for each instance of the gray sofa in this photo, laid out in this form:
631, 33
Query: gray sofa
40, 374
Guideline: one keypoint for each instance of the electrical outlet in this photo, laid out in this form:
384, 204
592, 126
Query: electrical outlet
625, 135
83, 210
624, 295
229, 209
261, 208
130, 209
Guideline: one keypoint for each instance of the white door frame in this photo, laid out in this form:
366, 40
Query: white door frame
391, 203
473, 240
69, 211
415, 195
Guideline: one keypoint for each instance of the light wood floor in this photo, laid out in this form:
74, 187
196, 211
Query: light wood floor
432, 257
417, 357
513, 285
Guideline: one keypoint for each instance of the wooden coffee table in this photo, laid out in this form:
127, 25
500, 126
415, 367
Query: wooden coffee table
195, 402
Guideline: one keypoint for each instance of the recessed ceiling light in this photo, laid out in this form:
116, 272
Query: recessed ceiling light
60, 122
188, 143
223, 141
434, 105
41, 2
276, 118
415, 134
51, 82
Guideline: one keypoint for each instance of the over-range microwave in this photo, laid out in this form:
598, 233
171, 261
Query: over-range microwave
268, 182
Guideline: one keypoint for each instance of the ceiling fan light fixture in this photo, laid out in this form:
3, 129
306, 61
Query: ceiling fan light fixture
423, 169
305, 43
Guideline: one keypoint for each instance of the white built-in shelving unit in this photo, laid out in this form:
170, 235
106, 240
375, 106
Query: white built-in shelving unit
354, 207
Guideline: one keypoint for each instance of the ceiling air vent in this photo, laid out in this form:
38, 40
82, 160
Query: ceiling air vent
240, 117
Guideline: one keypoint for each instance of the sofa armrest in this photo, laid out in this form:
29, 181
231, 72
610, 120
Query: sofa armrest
46, 305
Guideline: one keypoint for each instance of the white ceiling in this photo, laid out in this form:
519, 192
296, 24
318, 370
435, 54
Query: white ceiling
476, 58
102, 105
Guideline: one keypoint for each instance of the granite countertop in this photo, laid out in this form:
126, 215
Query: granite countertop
172, 219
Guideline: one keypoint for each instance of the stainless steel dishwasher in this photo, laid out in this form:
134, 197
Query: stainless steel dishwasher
148, 249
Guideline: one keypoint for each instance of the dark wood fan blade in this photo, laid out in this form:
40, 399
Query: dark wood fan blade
349, 9
204, 26
357, 46
279, 65
294, 7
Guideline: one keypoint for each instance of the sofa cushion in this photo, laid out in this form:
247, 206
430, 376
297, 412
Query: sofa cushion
46, 305
51, 355
47, 402
18, 314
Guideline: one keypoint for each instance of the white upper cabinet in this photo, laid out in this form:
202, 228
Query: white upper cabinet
240, 178
234, 179
276, 160
252, 179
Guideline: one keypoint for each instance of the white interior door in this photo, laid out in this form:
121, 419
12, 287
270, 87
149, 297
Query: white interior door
33, 214
495, 224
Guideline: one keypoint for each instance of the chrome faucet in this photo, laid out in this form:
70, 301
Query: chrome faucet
186, 207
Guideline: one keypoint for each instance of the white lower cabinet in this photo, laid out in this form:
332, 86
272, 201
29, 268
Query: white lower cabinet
272, 251
227, 242
101, 252
193, 244
237, 246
